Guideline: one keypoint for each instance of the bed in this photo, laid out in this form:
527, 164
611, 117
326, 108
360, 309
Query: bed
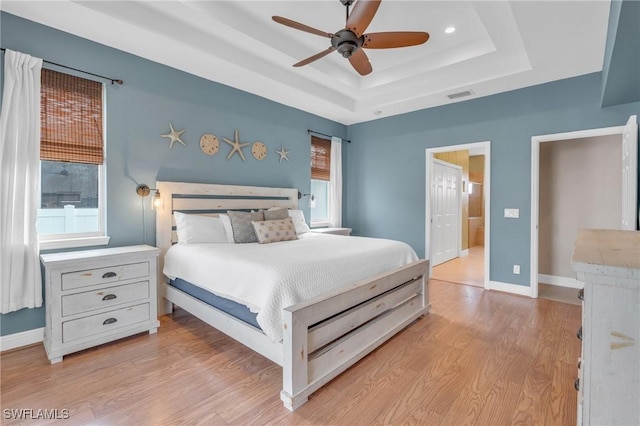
334, 320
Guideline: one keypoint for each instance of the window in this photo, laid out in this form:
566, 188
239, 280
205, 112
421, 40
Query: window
71, 212
320, 177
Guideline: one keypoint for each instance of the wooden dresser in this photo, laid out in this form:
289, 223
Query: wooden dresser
608, 384
96, 296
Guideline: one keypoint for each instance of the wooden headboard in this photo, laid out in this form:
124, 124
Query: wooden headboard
211, 199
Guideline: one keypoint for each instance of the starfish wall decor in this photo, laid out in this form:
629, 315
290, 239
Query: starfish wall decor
237, 146
284, 154
174, 136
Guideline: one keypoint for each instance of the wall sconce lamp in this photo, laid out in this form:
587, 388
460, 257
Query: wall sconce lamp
312, 198
143, 190
300, 195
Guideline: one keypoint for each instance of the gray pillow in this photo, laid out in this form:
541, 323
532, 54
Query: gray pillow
243, 231
276, 214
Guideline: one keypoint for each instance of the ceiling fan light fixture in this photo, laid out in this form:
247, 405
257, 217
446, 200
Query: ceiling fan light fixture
346, 49
346, 42
351, 41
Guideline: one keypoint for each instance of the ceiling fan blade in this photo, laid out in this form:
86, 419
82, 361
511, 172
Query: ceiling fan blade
299, 26
389, 40
360, 62
362, 15
314, 57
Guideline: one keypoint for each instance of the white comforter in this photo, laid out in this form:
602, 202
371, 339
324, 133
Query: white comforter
269, 277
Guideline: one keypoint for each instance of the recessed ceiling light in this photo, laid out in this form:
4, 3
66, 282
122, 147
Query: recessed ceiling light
449, 30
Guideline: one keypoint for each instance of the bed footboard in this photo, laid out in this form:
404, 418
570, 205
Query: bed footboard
326, 335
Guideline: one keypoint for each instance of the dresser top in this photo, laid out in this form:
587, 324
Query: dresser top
605, 251
90, 254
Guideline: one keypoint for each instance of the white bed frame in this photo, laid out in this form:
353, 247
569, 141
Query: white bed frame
322, 337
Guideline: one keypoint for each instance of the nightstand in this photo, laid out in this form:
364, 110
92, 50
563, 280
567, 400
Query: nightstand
97, 296
335, 231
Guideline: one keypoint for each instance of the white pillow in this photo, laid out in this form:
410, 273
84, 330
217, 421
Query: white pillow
193, 229
298, 221
228, 229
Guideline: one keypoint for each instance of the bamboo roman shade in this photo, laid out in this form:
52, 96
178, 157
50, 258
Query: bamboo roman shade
71, 119
320, 158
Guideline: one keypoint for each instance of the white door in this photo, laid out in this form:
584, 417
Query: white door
445, 202
629, 173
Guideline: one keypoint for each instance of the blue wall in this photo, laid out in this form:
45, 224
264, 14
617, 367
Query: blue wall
384, 166
621, 70
385, 163
140, 110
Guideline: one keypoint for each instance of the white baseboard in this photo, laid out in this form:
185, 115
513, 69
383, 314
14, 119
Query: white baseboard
560, 281
521, 290
17, 340
464, 253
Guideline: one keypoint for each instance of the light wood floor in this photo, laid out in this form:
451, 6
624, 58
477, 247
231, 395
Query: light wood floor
463, 270
479, 357
469, 270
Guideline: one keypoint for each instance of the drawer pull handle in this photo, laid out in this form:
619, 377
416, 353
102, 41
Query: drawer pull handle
109, 321
581, 294
109, 297
576, 384
579, 333
109, 275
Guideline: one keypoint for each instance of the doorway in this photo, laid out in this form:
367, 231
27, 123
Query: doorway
584, 179
469, 262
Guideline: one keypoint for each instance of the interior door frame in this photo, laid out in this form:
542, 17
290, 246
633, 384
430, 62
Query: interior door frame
535, 186
486, 146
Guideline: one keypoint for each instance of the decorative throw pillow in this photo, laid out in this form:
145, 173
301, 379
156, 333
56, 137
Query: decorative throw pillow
271, 231
298, 221
275, 214
193, 229
243, 231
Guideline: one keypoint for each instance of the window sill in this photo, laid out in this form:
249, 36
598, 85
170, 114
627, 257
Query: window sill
319, 225
64, 243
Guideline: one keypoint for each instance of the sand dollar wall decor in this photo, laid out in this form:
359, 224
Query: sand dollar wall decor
209, 144
259, 151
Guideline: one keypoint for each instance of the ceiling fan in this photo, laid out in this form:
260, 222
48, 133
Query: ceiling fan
351, 40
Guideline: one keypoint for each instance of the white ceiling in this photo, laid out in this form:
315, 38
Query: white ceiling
497, 46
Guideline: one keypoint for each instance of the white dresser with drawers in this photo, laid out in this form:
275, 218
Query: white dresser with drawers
96, 296
608, 384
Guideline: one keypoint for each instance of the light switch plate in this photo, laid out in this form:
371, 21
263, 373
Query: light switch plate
512, 213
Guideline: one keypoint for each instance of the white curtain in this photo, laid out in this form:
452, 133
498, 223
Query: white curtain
335, 184
20, 282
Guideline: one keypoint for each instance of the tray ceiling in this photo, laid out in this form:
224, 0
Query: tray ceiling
497, 46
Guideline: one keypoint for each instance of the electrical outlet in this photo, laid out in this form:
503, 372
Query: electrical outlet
516, 269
